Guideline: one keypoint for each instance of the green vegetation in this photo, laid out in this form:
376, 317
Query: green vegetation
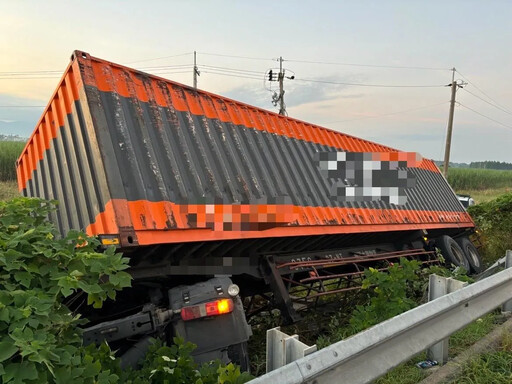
492, 367
490, 165
8, 190
389, 293
478, 179
409, 373
466, 337
40, 338
9, 153
485, 195
494, 219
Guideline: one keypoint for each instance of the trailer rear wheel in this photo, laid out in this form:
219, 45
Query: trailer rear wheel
471, 253
452, 252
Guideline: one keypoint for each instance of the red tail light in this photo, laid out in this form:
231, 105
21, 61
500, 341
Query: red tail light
213, 308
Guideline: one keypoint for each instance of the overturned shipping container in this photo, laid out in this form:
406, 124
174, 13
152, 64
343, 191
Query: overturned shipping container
191, 185
140, 160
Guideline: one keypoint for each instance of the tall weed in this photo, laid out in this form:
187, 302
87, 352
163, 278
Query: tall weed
9, 153
478, 179
494, 218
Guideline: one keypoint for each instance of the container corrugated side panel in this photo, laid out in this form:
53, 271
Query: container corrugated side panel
62, 162
187, 165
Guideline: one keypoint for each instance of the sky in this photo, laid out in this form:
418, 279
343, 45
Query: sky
373, 69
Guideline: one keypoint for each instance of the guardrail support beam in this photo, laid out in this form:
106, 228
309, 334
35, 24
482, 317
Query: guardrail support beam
283, 349
507, 307
439, 286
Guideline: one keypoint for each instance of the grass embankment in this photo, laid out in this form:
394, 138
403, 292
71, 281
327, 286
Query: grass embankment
409, 373
491, 367
482, 184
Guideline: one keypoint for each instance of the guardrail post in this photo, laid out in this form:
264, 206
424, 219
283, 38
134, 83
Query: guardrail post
283, 349
507, 307
439, 286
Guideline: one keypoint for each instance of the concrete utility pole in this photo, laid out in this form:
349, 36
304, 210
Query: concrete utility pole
279, 98
282, 109
450, 126
454, 86
196, 71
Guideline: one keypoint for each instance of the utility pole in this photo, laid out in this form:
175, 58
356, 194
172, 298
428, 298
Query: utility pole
282, 110
196, 71
279, 98
454, 87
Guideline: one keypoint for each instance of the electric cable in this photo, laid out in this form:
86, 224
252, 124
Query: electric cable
484, 93
160, 58
238, 57
485, 101
368, 65
370, 85
487, 117
389, 114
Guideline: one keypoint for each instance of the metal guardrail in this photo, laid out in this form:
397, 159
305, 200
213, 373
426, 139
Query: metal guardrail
368, 355
282, 349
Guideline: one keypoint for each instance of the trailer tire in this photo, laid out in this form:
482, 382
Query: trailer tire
452, 252
239, 354
472, 254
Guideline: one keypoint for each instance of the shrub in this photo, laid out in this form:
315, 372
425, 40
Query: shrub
494, 218
388, 294
40, 338
174, 364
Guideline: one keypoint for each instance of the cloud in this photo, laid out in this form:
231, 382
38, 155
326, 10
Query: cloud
18, 121
301, 93
251, 94
297, 92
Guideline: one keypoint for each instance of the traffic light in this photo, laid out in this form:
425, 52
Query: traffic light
270, 75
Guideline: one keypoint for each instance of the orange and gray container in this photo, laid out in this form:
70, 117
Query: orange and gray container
140, 160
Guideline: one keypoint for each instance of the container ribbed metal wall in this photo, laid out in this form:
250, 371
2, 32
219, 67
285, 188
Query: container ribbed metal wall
155, 161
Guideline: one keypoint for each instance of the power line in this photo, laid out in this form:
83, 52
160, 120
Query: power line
43, 72
164, 67
489, 97
232, 69
159, 58
238, 57
370, 85
22, 106
485, 101
388, 114
233, 75
487, 117
29, 78
368, 65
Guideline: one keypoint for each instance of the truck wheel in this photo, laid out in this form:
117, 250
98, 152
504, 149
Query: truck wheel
239, 354
452, 252
471, 253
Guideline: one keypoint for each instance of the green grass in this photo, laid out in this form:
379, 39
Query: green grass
482, 196
492, 367
466, 337
8, 190
9, 153
408, 373
464, 179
